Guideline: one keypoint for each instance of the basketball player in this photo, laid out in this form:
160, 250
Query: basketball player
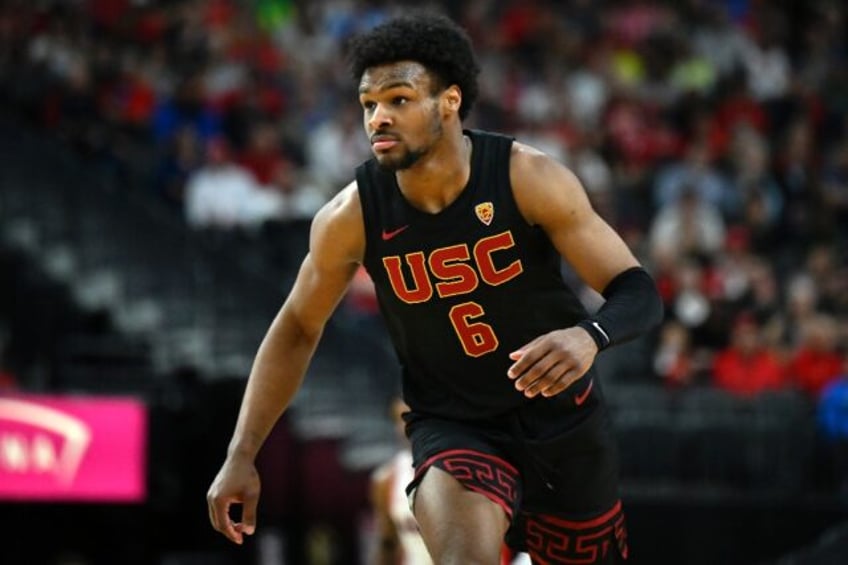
463, 233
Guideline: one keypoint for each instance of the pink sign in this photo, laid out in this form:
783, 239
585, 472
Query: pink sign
72, 448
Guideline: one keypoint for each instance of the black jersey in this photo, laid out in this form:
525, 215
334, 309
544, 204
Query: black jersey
462, 288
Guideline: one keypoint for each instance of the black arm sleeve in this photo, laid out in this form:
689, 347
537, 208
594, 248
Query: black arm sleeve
632, 308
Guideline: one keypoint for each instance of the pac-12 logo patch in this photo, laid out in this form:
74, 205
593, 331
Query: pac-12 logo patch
485, 212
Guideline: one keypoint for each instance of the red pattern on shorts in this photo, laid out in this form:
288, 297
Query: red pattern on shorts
480, 472
554, 540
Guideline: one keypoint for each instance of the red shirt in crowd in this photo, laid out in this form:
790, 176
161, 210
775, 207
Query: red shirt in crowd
750, 374
813, 370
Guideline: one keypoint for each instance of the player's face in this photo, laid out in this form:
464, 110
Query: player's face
401, 113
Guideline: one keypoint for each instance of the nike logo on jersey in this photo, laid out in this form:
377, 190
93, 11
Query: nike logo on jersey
579, 399
387, 235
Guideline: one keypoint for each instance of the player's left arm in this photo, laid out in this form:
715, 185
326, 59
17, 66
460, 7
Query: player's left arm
551, 196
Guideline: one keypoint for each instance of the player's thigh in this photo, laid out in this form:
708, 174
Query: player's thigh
458, 525
465, 492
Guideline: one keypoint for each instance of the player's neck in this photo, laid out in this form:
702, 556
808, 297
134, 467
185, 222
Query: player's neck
440, 176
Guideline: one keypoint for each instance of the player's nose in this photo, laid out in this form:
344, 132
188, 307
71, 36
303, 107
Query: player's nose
380, 118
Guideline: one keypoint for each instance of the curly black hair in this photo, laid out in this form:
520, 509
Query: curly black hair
431, 39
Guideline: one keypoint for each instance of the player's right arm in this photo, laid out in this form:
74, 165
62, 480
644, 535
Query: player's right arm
387, 546
336, 247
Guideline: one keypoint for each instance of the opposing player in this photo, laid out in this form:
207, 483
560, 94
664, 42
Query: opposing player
398, 538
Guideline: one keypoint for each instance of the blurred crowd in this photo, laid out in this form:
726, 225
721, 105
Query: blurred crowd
712, 134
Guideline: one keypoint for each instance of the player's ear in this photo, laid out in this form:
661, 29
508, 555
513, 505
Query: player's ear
451, 99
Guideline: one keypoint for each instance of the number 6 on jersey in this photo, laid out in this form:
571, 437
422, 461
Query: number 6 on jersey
477, 338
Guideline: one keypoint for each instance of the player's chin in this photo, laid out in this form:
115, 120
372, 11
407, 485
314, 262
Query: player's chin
389, 162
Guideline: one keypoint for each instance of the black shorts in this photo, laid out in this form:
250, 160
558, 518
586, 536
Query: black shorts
554, 471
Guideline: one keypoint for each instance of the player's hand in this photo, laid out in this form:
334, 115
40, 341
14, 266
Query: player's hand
236, 483
551, 363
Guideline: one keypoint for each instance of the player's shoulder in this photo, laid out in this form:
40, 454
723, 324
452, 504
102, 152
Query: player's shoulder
540, 183
343, 204
533, 170
529, 166
525, 159
338, 229
341, 212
